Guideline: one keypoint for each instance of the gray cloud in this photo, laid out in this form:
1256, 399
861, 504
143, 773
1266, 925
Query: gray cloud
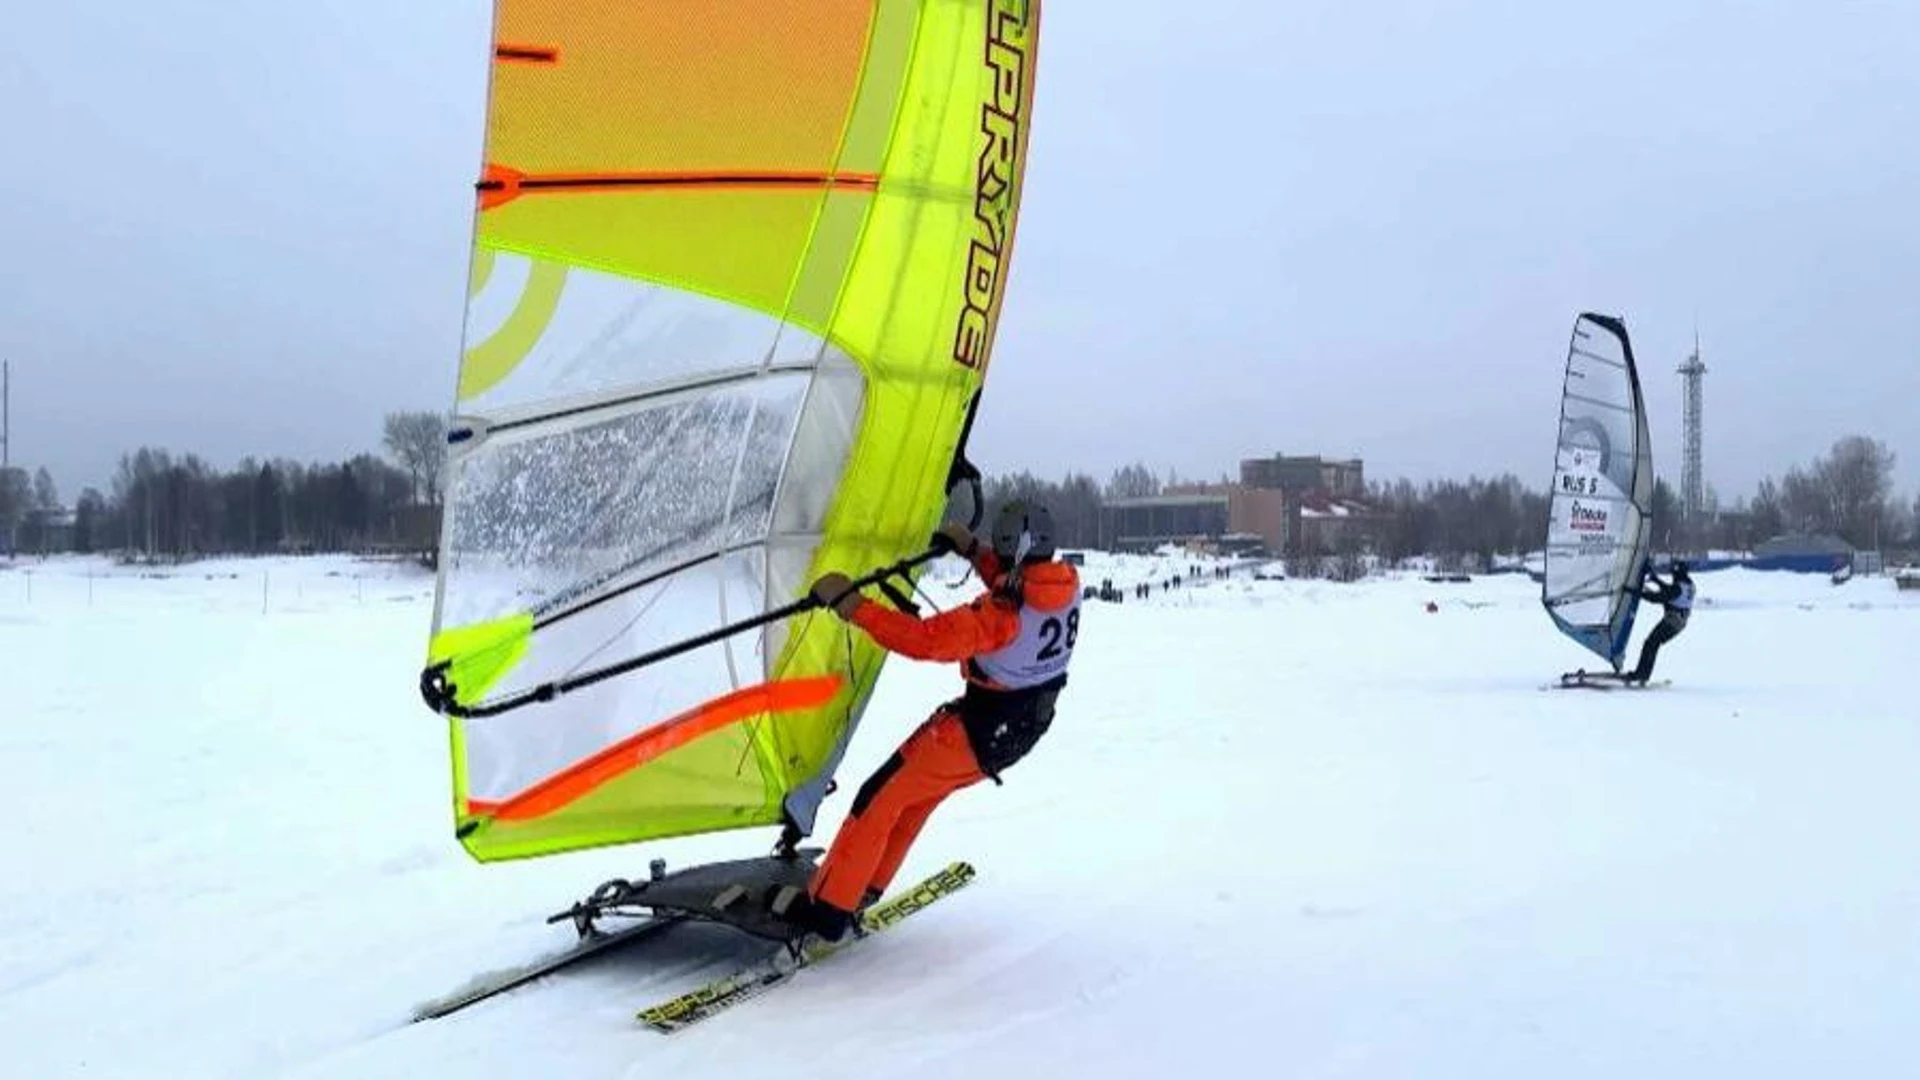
1367, 228
241, 227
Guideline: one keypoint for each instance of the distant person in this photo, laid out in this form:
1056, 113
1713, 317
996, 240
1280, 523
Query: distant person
1677, 597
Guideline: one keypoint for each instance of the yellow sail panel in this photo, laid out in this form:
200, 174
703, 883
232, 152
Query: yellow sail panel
737, 266
739, 244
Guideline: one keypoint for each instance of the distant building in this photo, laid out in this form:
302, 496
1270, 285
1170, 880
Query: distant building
1146, 522
1805, 552
41, 531
1801, 545
1281, 500
1261, 512
1322, 501
1345, 479
1331, 523
1220, 517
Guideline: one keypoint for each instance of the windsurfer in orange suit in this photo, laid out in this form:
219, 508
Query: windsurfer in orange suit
1013, 643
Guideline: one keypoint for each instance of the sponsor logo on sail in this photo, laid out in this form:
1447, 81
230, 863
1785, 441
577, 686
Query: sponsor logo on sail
1006, 63
1589, 518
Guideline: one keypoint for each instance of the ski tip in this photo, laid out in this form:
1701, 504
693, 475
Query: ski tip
955, 874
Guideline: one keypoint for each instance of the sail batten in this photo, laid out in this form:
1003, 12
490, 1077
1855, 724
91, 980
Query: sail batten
569, 410
1598, 524
737, 266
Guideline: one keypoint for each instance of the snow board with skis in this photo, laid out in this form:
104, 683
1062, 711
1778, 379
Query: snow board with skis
724, 893
721, 892
705, 1001
1602, 680
713, 892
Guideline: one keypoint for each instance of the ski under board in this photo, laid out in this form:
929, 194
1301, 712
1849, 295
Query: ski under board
501, 981
749, 982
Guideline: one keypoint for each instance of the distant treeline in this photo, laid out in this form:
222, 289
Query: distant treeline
162, 505
1847, 492
165, 506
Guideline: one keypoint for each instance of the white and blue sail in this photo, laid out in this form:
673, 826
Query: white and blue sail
1598, 524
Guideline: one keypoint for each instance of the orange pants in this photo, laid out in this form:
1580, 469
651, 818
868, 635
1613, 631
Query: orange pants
934, 762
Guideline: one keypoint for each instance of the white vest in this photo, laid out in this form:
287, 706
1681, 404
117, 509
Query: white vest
1683, 602
1040, 654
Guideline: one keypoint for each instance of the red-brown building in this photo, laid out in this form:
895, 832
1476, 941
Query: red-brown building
1280, 503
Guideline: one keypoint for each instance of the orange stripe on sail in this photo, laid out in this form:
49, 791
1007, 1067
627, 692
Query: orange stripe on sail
579, 779
500, 184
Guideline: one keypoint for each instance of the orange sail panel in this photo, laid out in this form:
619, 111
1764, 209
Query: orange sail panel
565, 787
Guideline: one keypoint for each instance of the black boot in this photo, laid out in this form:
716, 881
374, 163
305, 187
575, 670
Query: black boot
800, 909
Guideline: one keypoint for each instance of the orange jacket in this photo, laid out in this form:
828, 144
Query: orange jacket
989, 623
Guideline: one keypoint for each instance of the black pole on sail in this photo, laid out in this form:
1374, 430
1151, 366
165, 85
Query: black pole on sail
439, 692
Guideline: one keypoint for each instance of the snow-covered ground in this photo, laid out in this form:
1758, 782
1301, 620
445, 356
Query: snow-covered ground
1280, 829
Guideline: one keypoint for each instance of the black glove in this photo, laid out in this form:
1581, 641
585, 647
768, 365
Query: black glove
954, 537
835, 590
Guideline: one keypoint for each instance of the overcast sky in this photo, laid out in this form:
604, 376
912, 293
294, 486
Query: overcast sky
241, 226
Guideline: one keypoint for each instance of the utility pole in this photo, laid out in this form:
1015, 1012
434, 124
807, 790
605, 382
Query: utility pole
6, 433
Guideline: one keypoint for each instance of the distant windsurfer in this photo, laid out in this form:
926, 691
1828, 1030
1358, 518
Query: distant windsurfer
1677, 597
1013, 643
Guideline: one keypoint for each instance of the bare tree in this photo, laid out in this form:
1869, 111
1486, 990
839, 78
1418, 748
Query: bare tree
1075, 504
1665, 515
1305, 558
1133, 482
269, 501
1768, 512
1857, 478
1076, 511
1804, 502
418, 443
1847, 492
16, 498
45, 495
1349, 559
89, 519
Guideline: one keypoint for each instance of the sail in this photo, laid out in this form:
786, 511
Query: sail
1598, 527
736, 272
